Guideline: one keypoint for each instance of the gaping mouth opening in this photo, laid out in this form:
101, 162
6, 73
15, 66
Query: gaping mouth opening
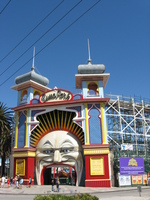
67, 174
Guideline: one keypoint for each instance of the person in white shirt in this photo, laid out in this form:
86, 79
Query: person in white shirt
3, 181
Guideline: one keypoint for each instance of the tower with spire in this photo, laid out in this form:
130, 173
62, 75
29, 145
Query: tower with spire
29, 87
92, 79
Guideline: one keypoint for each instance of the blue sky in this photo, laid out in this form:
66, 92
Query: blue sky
118, 31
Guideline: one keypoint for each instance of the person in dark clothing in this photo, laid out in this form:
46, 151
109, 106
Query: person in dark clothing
30, 181
19, 178
52, 184
11, 181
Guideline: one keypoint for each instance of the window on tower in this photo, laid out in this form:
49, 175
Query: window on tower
24, 97
93, 89
36, 95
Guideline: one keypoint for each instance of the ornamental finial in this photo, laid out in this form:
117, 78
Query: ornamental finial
32, 68
89, 60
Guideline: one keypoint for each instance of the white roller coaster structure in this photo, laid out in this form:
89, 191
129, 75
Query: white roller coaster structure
128, 121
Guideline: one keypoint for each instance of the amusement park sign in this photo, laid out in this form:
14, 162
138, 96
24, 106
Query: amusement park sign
131, 166
56, 95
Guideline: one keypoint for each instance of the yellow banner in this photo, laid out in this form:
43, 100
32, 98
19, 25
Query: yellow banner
96, 166
20, 167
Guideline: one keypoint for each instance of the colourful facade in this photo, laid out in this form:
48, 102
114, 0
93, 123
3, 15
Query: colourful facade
42, 112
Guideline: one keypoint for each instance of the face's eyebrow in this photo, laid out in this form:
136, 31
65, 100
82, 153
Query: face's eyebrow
48, 142
66, 141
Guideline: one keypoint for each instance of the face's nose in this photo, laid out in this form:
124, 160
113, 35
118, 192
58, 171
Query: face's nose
57, 156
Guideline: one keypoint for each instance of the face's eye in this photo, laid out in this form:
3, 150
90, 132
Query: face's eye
65, 150
48, 151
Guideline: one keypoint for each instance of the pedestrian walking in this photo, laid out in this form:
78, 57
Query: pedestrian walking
3, 181
30, 181
20, 183
19, 178
52, 184
57, 184
11, 181
16, 181
139, 190
8, 182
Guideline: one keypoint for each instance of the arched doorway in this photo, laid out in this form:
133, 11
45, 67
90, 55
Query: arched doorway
66, 174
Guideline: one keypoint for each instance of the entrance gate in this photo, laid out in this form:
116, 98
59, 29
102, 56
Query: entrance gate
67, 175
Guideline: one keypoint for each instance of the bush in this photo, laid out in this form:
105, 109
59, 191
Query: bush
63, 197
88, 197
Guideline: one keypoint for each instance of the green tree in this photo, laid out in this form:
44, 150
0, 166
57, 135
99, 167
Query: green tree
5, 134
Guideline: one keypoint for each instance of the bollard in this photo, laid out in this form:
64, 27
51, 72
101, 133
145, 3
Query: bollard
139, 190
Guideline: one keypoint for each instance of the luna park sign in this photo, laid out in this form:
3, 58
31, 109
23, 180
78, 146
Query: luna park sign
56, 95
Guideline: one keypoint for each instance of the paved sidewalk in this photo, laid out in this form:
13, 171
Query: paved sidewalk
64, 189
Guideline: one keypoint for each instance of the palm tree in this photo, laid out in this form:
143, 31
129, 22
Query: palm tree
5, 134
